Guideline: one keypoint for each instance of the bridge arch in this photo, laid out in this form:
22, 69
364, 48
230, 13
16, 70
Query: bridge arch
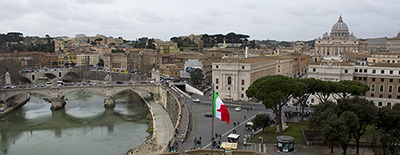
123, 90
65, 92
71, 76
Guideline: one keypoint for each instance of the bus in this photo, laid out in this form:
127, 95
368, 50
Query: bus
233, 138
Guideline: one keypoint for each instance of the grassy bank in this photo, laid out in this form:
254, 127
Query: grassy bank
269, 134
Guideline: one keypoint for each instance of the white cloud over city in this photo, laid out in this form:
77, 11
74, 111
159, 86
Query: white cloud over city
261, 19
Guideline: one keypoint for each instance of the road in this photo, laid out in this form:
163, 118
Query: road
163, 127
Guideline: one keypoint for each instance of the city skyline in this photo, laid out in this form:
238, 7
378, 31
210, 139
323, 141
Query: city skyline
289, 20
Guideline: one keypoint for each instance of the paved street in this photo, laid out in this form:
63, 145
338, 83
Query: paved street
202, 125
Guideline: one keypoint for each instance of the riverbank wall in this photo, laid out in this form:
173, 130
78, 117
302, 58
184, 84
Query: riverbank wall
20, 101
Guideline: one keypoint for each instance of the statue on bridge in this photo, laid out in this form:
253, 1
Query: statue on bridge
108, 79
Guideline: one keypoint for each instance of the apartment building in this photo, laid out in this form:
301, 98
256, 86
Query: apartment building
384, 57
88, 59
383, 80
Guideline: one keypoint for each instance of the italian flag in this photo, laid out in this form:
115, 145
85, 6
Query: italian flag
219, 109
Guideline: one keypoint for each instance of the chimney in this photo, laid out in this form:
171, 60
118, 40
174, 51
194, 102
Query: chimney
246, 52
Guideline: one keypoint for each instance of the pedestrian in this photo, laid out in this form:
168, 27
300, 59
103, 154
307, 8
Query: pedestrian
238, 123
234, 124
244, 117
200, 138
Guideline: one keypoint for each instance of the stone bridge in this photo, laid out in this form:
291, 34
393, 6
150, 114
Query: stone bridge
59, 73
56, 95
75, 74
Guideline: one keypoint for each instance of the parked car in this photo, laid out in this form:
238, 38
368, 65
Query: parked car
208, 115
119, 82
238, 109
196, 100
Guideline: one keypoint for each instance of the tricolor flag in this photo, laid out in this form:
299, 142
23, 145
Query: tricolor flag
219, 109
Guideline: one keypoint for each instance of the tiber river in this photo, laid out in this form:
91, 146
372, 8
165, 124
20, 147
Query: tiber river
83, 127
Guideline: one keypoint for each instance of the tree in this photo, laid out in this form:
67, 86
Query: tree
101, 63
13, 67
321, 113
196, 76
349, 88
387, 129
275, 91
262, 121
312, 87
364, 110
55, 64
347, 128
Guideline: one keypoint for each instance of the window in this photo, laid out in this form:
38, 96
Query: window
380, 95
373, 71
390, 89
216, 66
398, 89
356, 70
242, 67
390, 80
372, 95
346, 71
365, 70
242, 82
242, 88
364, 78
382, 71
216, 80
216, 87
314, 69
380, 104
312, 100
381, 88
389, 104
390, 72
242, 95
359, 78
229, 88
389, 96
382, 80
373, 87
229, 80
373, 79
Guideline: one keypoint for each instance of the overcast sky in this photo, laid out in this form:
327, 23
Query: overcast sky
261, 19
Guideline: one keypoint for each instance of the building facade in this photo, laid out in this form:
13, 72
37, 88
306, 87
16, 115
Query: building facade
232, 76
338, 42
384, 57
393, 44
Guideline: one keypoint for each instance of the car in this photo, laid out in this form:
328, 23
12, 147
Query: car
196, 100
208, 115
238, 109
119, 82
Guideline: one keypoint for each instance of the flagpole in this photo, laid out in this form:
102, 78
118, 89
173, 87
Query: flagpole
212, 121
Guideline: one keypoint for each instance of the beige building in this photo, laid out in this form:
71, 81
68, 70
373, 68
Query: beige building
383, 80
339, 41
168, 47
232, 76
116, 61
331, 71
384, 57
87, 59
393, 44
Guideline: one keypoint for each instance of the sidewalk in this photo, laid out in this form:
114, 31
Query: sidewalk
162, 127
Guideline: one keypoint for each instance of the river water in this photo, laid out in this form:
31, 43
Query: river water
83, 127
